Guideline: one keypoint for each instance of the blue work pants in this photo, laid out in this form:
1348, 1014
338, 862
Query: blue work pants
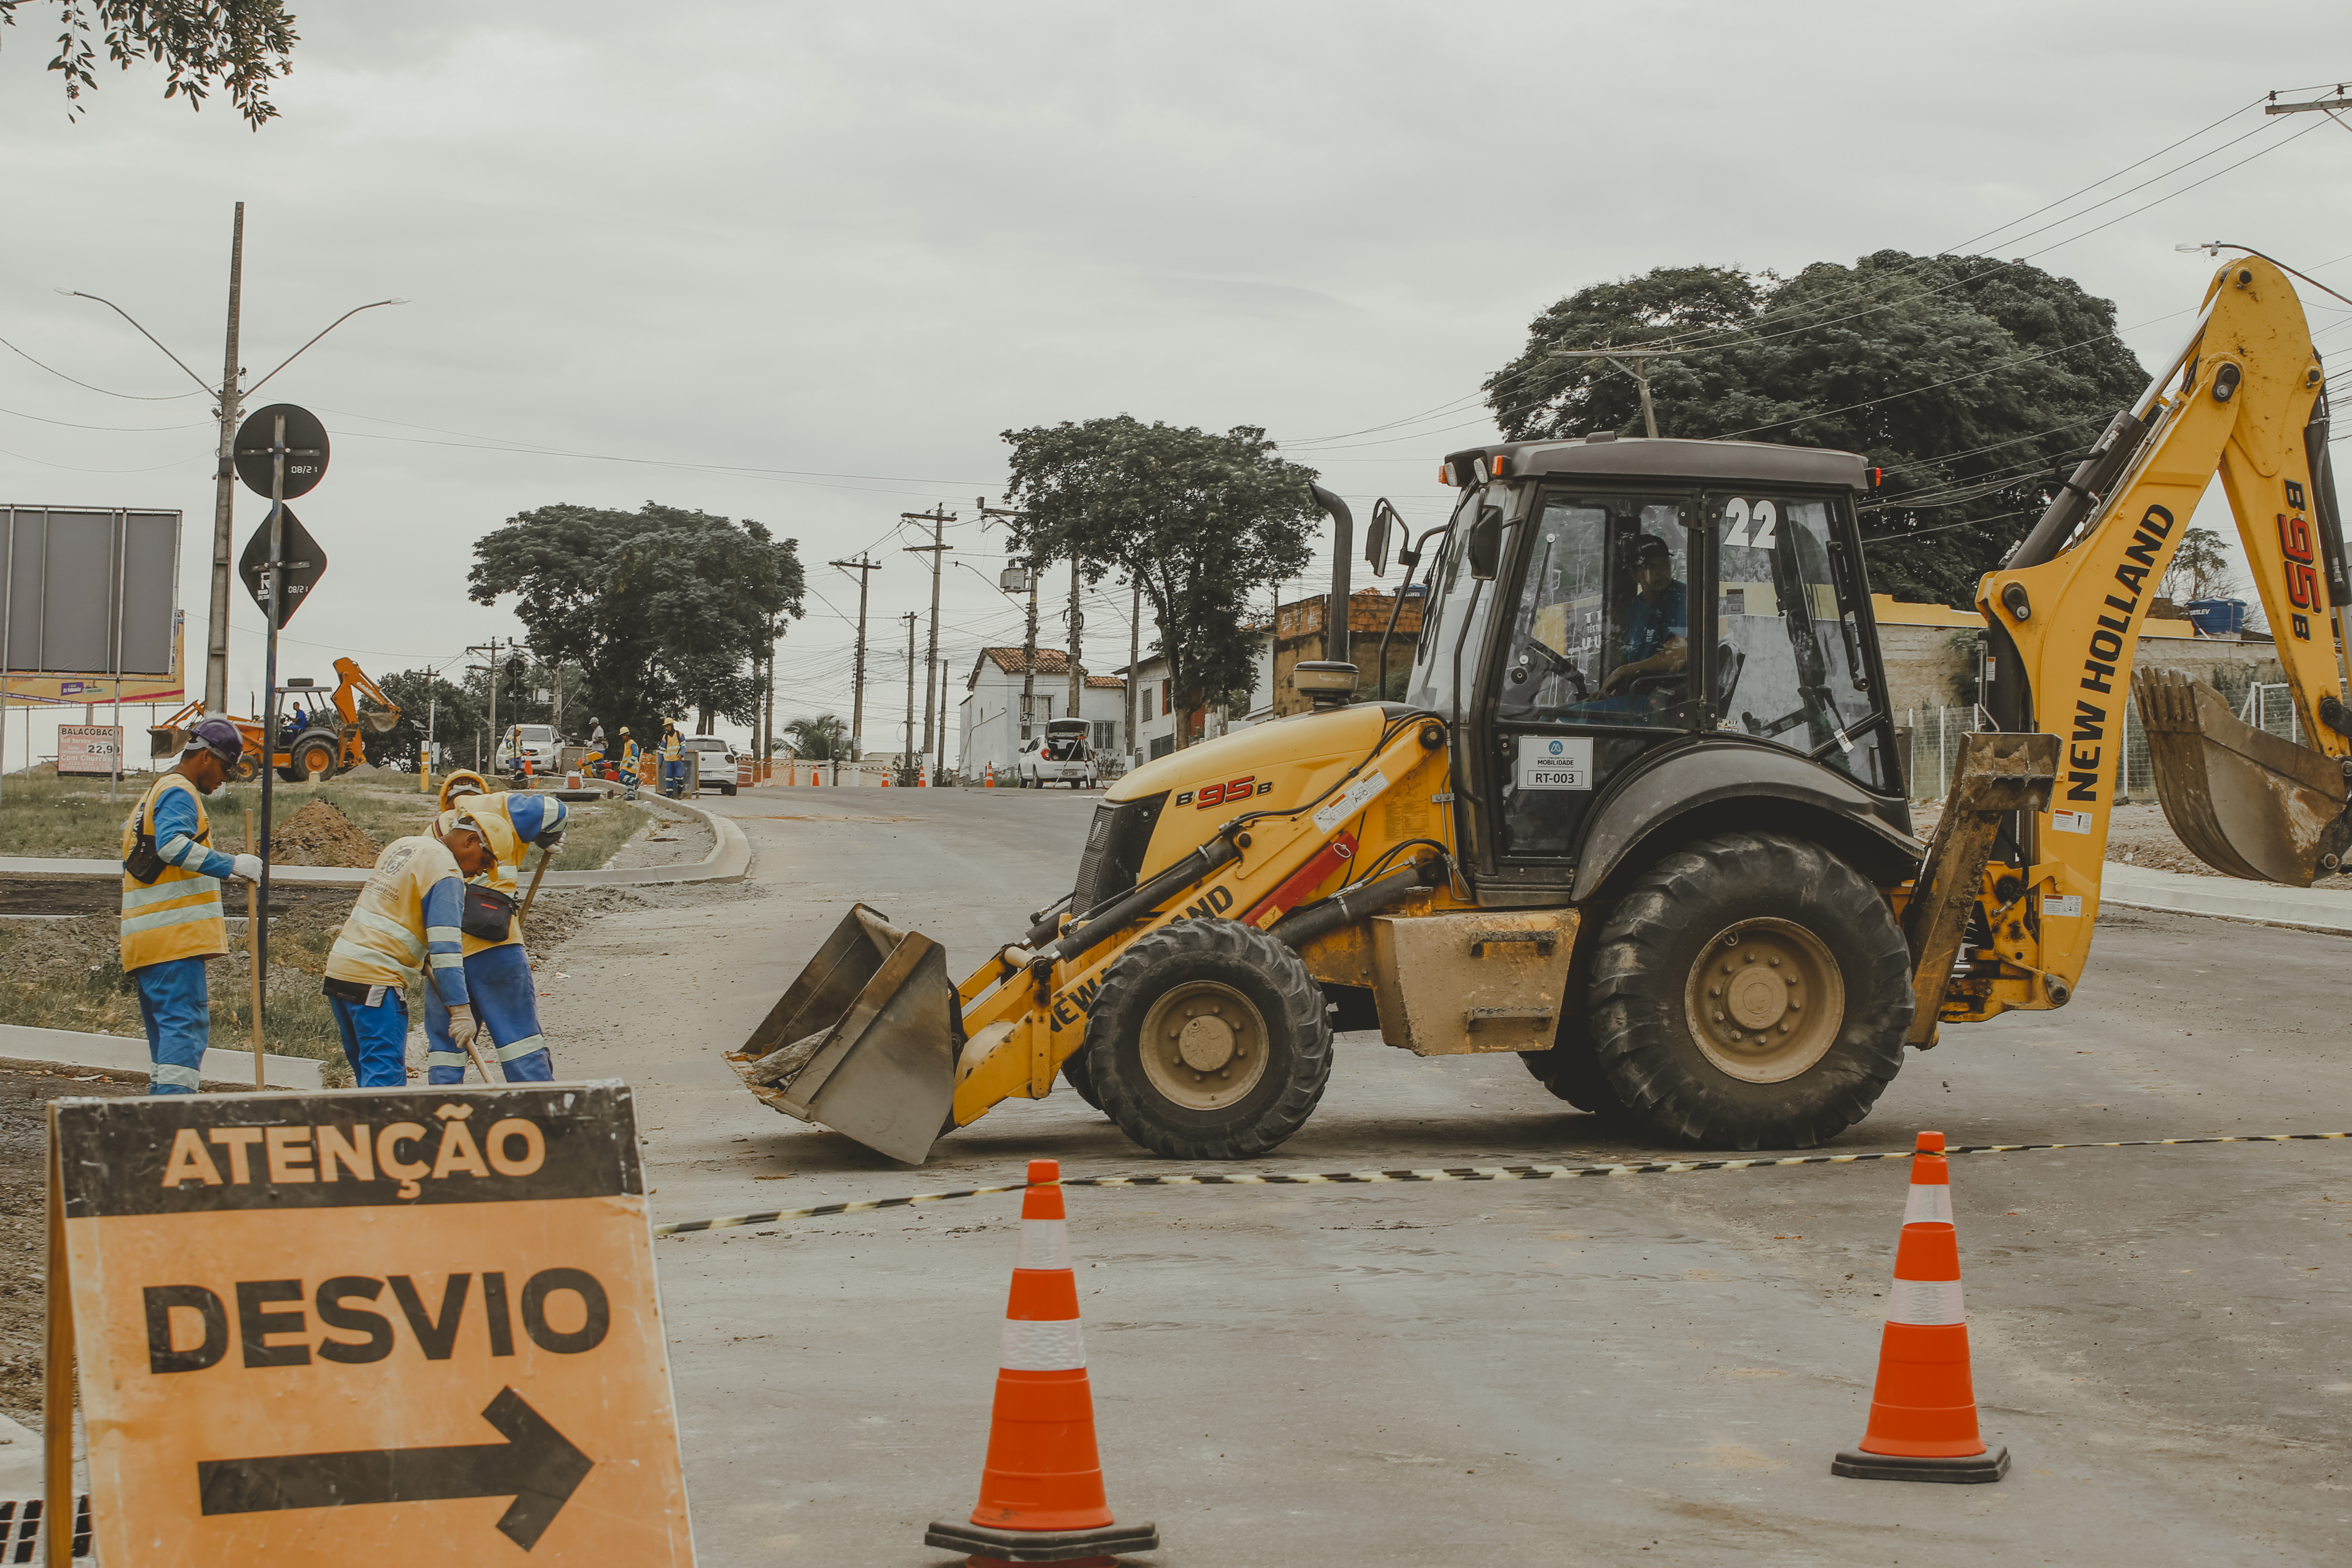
629, 780
177, 1010
376, 1039
674, 777
506, 1003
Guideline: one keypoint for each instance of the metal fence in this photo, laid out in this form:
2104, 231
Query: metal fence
1935, 751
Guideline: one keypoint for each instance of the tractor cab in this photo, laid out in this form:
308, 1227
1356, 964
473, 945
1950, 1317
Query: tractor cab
1623, 630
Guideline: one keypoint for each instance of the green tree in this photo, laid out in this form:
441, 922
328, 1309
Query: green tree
1199, 519
1975, 382
663, 608
240, 45
820, 739
454, 714
2200, 569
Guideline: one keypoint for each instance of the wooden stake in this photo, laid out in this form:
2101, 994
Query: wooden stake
57, 1511
253, 942
545, 855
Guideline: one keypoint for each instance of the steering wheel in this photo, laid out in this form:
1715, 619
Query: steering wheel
1554, 662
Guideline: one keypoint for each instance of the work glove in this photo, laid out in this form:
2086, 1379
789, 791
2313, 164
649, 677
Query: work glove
247, 868
462, 1026
552, 840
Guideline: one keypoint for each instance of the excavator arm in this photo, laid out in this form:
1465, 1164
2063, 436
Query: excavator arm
355, 685
2245, 399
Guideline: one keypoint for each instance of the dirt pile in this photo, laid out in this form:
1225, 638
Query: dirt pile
321, 835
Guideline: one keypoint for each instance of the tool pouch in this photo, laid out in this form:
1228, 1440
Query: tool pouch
487, 914
143, 863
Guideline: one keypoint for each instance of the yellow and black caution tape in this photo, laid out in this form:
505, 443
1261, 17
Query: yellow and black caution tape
1453, 1173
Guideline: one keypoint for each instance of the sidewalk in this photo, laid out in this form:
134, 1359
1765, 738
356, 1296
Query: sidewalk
2227, 897
223, 1069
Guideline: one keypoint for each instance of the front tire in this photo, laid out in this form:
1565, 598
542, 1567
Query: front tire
1080, 1076
1572, 1069
1751, 991
1208, 1041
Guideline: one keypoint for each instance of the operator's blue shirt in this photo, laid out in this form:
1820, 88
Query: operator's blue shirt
1655, 623
175, 837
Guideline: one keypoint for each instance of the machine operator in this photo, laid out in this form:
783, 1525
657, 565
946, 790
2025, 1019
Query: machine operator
1657, 626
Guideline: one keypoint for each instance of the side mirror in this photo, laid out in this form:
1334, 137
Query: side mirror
1376, 535
1485, 546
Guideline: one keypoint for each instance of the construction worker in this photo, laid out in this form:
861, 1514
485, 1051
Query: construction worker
498, 968
673, 762
629, 765
172, 917
596, 740
404, 922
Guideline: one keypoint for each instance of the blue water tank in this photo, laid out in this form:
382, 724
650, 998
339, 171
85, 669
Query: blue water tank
2217, 617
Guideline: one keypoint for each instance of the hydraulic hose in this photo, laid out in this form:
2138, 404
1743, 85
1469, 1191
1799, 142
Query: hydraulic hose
1100, 926
2089, 482
1347, 908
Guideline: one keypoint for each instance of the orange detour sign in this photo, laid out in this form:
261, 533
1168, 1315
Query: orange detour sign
1923, 1413
312, 1326
1041, 1487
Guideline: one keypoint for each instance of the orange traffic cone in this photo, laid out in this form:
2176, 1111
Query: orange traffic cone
886, 778
1923, 1413
1041, 1489
991, 781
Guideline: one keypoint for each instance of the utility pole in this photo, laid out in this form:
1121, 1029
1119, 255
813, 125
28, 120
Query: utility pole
1029, 637
1134, 657
906, 756
862, 566
495, 673
939, 517
1076, 709
1618, 357
2319, 106
224, 486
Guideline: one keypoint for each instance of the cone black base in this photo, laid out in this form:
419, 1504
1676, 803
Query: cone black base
1046, 1545
1967, 1470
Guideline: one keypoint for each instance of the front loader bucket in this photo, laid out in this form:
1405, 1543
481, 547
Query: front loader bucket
864, 1040
2245, 801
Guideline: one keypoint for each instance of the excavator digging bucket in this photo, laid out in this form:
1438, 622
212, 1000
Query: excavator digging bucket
166, 740
2245, 801
379, 722
864, 1040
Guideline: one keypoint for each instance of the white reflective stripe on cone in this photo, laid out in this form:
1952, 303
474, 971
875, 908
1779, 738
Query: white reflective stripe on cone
1045, 1243
1924, 1303
1930, 1203
1042, 1347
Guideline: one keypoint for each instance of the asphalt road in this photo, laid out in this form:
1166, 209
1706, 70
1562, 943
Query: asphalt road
1598, 1371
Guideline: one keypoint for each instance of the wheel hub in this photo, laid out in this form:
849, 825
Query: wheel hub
1203, 1045
1765, 1000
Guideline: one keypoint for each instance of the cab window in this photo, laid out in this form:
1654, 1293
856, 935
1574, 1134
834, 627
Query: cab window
1788, 661
1602, 631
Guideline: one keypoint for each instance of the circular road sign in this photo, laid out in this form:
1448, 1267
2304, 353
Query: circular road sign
306, 456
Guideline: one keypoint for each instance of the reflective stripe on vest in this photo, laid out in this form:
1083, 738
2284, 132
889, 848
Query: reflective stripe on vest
382, 938
179, 914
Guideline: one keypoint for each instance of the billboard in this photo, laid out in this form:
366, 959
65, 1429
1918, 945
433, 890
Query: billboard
95, 750
85, 687
89, 592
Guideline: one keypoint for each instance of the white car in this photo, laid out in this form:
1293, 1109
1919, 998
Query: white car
1060, 755
715, 765
536, 742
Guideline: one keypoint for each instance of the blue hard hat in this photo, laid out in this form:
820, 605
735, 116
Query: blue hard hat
219, 737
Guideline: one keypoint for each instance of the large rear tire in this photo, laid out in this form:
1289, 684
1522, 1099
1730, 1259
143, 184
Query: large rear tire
1751, 991
1208, 1041
314, 757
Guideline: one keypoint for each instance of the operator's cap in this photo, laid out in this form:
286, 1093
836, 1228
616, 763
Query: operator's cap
217, 736
1649, 547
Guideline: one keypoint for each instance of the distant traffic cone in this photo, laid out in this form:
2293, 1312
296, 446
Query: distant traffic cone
1040, 1488
886, 778
1923, 1413
991, 780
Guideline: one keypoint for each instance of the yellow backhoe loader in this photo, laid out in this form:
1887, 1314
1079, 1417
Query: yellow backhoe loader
1640, 819
320, 749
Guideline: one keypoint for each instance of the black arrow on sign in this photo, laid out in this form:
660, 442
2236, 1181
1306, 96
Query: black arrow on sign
536, 1465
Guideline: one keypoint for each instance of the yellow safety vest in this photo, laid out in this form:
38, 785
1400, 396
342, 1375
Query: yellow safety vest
673, 749
488, 812
383, 940
177, 915
628, 754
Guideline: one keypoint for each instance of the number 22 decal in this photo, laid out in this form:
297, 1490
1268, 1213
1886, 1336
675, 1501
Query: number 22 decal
1737, 516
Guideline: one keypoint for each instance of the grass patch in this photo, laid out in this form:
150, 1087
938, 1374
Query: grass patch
47, 817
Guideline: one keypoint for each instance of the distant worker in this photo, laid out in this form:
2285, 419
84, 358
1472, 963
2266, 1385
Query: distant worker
631, 760
673, 762
596, 740
403, 927
172, 916
498, 968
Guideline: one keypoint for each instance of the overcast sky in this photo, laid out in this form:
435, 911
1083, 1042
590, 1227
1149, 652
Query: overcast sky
804, 264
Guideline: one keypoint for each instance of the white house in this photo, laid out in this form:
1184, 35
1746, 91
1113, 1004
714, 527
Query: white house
991, 726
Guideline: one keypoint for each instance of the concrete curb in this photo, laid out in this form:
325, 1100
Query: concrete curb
2227, 897
729, 861
21, 1044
